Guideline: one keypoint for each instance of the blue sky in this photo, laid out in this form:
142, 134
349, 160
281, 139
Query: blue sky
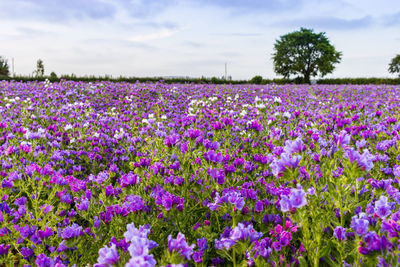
191, 37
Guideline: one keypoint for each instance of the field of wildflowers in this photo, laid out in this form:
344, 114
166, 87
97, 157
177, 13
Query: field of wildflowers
146, 174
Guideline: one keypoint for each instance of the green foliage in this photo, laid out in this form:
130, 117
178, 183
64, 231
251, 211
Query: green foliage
53, 75
199, 80
4, 68
256, 80
394, 66
359, 81
304, 53
39, 72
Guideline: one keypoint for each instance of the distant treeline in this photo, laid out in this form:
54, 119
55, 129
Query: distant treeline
213, 80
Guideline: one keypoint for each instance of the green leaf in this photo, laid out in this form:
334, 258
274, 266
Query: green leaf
302, 262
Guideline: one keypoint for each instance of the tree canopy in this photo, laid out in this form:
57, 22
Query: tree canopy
305, 54
394, 66
39, 72
4, 68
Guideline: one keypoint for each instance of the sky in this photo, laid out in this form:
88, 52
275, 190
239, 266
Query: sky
194, 38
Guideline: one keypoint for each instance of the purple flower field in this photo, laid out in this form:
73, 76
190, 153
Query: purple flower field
152, 174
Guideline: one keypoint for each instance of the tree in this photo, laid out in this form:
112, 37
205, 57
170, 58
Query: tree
53, 75
256, 79
4, 69
304, 53
394, 66
39, 72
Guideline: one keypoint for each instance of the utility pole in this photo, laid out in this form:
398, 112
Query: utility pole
12, 66
226, 75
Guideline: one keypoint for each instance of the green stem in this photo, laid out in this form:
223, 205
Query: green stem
234, 258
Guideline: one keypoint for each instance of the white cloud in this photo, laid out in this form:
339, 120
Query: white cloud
164, 33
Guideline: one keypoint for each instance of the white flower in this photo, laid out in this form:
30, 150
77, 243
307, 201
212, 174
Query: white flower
277, 99
27, 135
25, 143
164, 117
96, 135
151, 116
287, 115
261, 106
67, 127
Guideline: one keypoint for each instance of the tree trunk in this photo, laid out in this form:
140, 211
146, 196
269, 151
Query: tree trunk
306, 78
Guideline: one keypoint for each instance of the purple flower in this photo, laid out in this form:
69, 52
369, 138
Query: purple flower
226, 243
234, 198
285, 203
212, 156
4, 249
276, 246
140, 245
202, 244
340, 233
71, 231
359, 223
20, 201
396, 170
179, 244
132, 231
382, 207
129, 179
343, 139
279, 166
46, 208
171, 140
133, 203
84, 205
218, 175
241, 232
259, 206
96, 221
46, 233
146, 261
198, 256
26, 252
364, 160
297, 198
285, 238
263, 248
43, 261
374, 243
107, 256
256, 125
294, 146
